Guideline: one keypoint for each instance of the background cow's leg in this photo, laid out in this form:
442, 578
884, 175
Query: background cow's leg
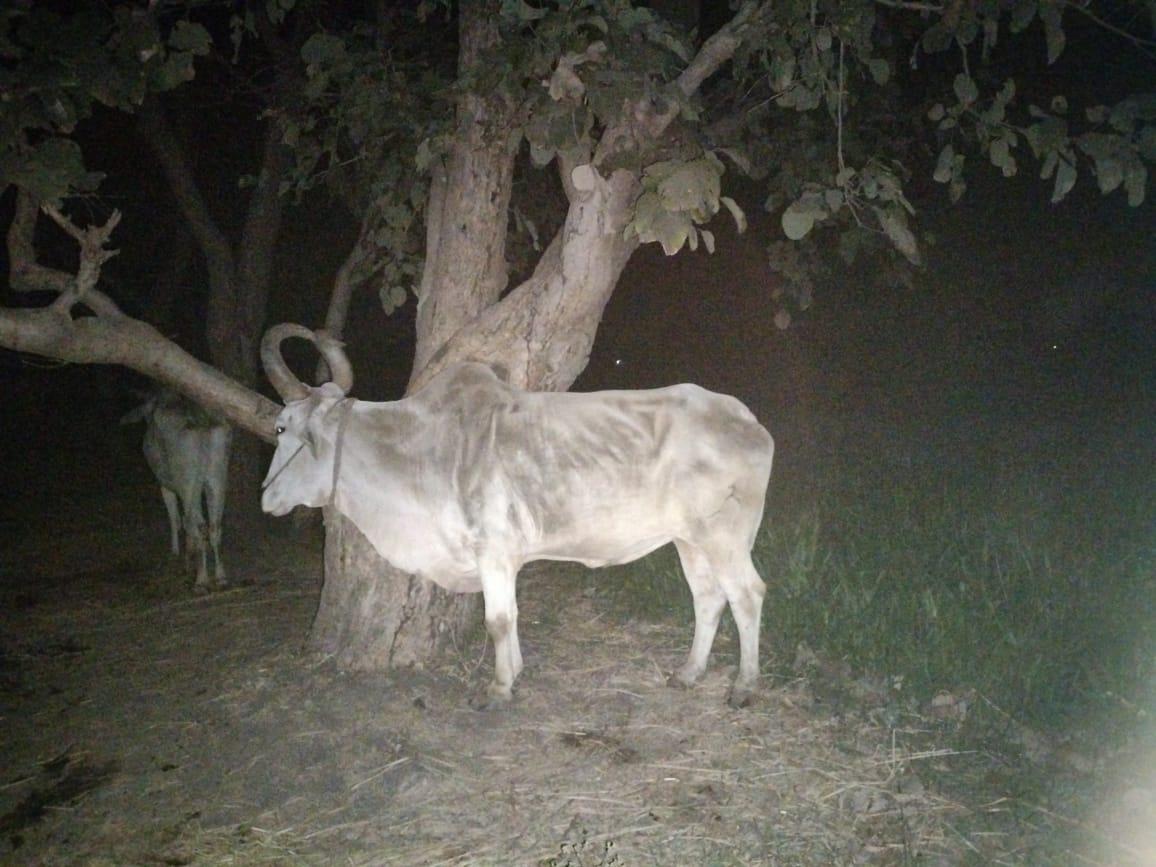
195, 540
214, 508
709, 600
502, 624
744, 590
173, 507
216, 485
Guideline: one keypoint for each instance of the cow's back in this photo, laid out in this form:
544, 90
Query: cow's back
613, 474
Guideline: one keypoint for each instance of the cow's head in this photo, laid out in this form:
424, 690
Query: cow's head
302, 472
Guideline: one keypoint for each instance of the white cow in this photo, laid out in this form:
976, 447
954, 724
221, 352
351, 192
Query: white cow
188, 452
468, 479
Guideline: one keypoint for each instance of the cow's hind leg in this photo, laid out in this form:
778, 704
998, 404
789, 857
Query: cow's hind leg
744, 591
709, 599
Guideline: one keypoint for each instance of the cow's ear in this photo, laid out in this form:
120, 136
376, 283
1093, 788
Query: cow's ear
311, 441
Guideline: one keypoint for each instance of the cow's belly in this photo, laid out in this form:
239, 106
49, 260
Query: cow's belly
606, 537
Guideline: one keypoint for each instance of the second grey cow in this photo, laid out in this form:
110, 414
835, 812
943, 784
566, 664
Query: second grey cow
188, 452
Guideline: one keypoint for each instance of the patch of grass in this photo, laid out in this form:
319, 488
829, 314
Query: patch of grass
1039, 591
648, 589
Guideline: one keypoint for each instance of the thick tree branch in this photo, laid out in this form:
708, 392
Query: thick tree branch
543, 330
721, 47
645, 120
132, 343
108, 336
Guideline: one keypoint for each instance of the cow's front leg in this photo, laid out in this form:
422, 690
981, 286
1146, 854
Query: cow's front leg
498, 589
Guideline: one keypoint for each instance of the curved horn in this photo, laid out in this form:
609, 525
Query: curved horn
288, 386
332, 351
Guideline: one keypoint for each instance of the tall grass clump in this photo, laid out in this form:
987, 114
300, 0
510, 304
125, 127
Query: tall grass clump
1034, 586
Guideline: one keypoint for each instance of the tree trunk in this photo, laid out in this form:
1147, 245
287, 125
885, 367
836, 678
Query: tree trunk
372, 616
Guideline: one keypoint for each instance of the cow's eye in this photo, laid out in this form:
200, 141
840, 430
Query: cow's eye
280, 429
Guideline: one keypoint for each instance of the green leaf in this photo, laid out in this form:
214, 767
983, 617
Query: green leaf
1096, 114
1006, 93
541, 156
323, 49
1108, 156
797, 222
1022, 14
738, 157
1001, 157
175, 71
1048, 167
965, 88
692, 187
937, 38
782, 72
653, 222
943, 165
391, 298
1065, 180
53, 170
894, 223
880, 70
194, 38
936, 112
800, 216
956, 189
990, 35
1052, 14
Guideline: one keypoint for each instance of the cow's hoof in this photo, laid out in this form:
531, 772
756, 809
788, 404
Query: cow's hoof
740, 696
682, 679
494, 698
202, 589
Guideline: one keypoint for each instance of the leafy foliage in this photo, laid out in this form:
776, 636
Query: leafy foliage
55, 68
677, 197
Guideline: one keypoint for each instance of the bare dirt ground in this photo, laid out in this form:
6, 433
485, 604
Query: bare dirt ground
140, 724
